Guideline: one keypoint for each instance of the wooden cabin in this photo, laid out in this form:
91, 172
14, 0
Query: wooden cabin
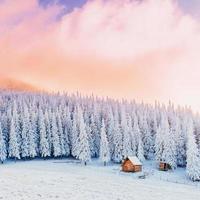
163, 166
131, 164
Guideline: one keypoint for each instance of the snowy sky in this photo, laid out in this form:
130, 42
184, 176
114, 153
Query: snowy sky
125, 49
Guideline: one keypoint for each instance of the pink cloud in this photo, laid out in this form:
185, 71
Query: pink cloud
125, 29
24, 22
147, 50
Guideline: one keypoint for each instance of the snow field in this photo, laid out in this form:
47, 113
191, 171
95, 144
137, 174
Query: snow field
68, 179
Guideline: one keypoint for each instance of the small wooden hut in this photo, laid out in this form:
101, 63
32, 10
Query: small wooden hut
163, 166
131, 164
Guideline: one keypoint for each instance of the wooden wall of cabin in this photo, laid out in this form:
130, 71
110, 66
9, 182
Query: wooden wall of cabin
127, 166
137, 168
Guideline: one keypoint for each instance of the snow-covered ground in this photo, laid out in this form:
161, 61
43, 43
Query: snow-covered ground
68, 179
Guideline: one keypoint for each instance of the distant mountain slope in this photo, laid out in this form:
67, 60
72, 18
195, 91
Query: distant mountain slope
12, 84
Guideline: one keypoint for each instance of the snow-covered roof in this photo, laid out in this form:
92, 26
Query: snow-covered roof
134, 160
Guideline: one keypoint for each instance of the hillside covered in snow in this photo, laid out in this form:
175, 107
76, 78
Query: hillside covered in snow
68, 179
40, 125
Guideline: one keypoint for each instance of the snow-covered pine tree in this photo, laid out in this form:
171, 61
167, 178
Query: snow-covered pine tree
95, 127
159, 140
32, 134
137, 139
126, 140
145, 134
153, 129
74, 134
196, 120
48, 123
83, 148
67, 127
5, 125
43, 141
25, 133
3, 153
89, 121
92, 137
135, 132
13, 149
55, 137
67, 123
140, 149
61, 133
17, 122
110, 130
193, 159
181, 132
36, 127
117, 139
169, 145
104, 146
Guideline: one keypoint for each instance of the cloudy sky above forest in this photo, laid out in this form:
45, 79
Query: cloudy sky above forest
142, 49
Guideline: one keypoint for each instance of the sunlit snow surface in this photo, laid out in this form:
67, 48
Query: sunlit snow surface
68, 179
